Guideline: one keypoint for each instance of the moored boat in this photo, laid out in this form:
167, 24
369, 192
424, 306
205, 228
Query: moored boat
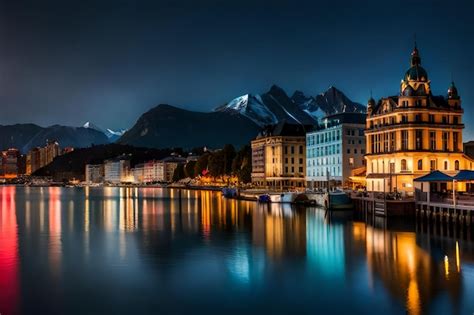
339, 200
264, 198
229, 192
284, 197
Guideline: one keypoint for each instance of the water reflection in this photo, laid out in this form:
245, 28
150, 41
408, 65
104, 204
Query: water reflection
175, 251
9, 282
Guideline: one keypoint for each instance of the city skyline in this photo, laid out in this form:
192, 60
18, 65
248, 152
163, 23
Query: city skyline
110, 63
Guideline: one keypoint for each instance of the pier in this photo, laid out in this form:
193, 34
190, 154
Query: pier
379, 204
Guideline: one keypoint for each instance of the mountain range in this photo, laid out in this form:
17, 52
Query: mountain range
27, 136
237, 122
275, 105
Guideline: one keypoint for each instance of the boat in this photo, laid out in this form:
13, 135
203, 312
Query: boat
339, 200
284, 197
229, 192
264, 198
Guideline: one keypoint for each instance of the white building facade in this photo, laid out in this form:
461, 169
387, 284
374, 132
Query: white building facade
94, 173
117, 171
334, 149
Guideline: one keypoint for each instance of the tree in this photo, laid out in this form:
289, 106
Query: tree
245, 175
189, 169
216, 163
228, 155
201, 164
242, 164
178, 172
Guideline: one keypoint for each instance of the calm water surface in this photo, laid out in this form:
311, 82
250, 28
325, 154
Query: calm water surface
139, 251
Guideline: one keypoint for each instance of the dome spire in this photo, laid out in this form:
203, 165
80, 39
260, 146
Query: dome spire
370, 103
415, 56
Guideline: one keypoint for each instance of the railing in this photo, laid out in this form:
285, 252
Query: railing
380, 195
421, 195
445, 198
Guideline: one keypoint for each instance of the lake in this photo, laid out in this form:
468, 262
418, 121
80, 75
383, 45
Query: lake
147, 251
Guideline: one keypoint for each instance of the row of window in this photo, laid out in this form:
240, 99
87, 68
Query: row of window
362, 151
333, 171
333, 135
417, 118
420, 103
420, 166
385, 142
291, 149
353, 132
300, 160
323, 151
324, 161
300, 169
324, 137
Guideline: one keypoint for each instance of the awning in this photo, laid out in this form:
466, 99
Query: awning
435, 176
379, 175
464, 175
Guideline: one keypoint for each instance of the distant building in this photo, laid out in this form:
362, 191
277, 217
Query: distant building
334, 149
152, 171
157, 170
279, 156
33, 161
9, 163
413, 133
41, 156
67, 150
117, 170
169, 164
192, 157
138, 173
94, 173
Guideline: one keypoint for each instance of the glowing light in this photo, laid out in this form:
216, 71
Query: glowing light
446, 266
458, 259
413, 298
9, 261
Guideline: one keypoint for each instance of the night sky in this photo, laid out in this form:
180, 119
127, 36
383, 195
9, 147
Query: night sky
107, 62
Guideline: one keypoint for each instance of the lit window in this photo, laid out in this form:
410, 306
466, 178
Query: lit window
404, 165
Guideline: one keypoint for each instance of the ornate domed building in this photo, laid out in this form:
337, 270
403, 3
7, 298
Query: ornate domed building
413, 133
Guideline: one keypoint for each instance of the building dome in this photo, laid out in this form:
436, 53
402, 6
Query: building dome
408, 91
415, 82
416, 73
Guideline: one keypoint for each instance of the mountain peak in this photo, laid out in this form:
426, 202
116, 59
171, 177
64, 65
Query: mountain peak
90, 125
298, 93
276, 89
109, 133
332, 90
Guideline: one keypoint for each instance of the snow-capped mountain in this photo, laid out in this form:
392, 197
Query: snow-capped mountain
308, 104
112, 135
251, 106
275, 105
268, 108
